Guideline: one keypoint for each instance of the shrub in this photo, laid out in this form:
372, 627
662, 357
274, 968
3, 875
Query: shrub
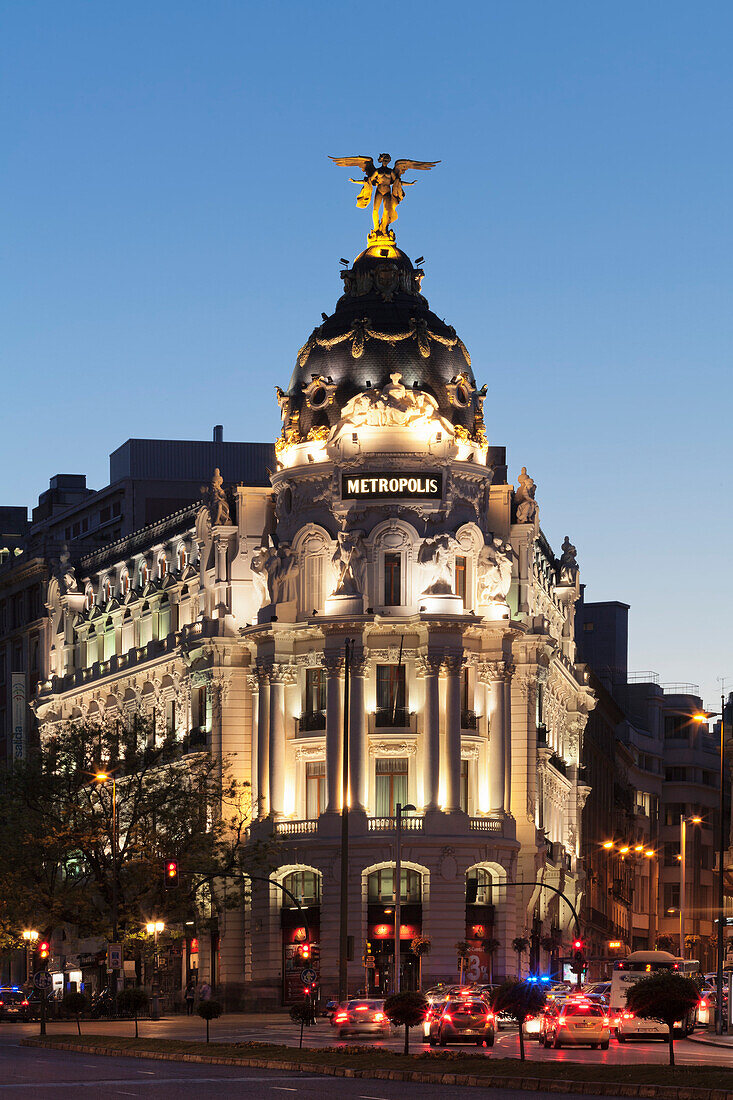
406, 1009
133, 1000
75, 1003
209, 1010
664, 996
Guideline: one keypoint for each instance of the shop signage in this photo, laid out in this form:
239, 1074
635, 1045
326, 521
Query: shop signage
389, 485
114, 956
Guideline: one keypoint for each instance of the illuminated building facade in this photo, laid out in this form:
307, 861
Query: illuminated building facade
389, 522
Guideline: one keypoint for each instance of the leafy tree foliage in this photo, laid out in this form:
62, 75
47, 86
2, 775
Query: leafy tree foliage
133, 1000
406, 1010
56, 830
664, 996
519, 1000
209, 1010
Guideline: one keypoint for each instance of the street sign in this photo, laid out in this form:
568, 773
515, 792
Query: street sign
114, 956
308, 976
42, 979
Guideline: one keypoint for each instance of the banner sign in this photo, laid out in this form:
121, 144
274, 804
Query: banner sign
20, 709
392, 486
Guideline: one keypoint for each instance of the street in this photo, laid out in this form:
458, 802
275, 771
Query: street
29, 1072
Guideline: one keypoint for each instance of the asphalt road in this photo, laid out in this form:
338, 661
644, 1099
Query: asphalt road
29, 1072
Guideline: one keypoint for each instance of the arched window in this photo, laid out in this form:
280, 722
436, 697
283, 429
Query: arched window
483, 885
89, 597
182, 556
162, 567
144, 573
305, 886
124, 582
107, 589
380, 885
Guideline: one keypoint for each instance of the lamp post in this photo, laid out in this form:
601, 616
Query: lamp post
153, 928
399, 811
103, 777
344, 884
30, 936
684, 822
721, 857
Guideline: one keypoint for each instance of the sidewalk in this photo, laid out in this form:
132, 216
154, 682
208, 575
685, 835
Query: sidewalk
712, 1040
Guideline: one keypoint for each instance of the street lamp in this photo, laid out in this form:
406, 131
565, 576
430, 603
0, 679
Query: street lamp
103, 777
153, 927
30, 938
399, 811
721, 858
684, 822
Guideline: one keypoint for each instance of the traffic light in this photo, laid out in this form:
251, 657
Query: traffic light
578, 964
44, 950
171, 874
305, 952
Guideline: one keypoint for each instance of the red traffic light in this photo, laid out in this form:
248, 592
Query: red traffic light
578, 945
171, 874
305, 951
44, 950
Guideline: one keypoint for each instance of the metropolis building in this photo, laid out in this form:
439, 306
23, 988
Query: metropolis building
389, 524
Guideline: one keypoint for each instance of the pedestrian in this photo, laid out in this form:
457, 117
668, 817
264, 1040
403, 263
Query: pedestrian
190, 996
205, 992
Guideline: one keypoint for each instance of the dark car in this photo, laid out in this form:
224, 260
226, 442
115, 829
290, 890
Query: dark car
462, 1020
14, 1005
362, 1016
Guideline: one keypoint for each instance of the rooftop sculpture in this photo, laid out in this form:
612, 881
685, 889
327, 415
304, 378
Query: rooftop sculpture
383, 187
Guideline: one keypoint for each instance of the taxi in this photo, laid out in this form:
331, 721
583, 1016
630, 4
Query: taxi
578, 1023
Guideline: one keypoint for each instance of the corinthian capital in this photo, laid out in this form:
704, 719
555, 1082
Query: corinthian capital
429, 664
493, 671
333, 663
453, 663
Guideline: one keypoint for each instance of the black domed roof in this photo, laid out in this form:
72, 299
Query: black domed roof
381, 325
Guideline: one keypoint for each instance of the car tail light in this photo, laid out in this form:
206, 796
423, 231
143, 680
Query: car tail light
340, 1017
447, 1017
703, 1004
24, 1002
628, 1016
606, 1021
378, 1015
561, 1019
362, 1008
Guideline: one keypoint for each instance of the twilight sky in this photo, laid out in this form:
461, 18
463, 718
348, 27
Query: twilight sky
171, 230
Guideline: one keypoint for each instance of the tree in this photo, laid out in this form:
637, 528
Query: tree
75, 1003
406, 1009
210, 1010
134, 1001
519, 1000
666, 943
463, 950
490, 946
421, 945
520, 945
56, 829
664, 996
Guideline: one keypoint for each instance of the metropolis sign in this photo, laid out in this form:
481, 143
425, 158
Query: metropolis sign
392, 486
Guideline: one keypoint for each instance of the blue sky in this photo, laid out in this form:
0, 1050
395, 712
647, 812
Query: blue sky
171, 229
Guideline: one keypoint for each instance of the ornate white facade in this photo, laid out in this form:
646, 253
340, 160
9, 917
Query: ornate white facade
387, 525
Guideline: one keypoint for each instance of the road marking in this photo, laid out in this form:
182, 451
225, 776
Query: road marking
165, 1081
150, 1071
282, 1088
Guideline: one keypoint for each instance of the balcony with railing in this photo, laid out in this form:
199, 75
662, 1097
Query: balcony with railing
312, 721
392, 718
469, 720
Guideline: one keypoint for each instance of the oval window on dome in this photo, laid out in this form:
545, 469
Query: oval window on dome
462, 396
318, 397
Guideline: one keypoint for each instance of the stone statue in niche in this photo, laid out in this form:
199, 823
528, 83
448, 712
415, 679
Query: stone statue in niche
66, 572
350, 564
436, 556
495, 571
258, 565
217, 502
568, 562
524, 498
282, 574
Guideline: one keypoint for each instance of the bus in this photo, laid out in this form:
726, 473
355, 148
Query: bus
629, 970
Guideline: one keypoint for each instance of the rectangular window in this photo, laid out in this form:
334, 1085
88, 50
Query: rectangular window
315, 690
676, 774
673, 811
390, 784
461, 578
391, 701
464, 786
671, 852
311, 594
671, 897
677, 726
465, 693
315, 789
392, 580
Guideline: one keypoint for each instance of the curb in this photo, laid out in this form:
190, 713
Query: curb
710, 1042
527, 1084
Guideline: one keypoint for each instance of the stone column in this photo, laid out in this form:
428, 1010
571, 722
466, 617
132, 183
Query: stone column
334, 732
430, 667
453, 666
508, 739
254, 690
493, 675
276, 765
263, 740
357, 735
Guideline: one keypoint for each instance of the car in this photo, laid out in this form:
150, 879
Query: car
549, 1013
578, 1023
595, 988
14, 1004
361, 1016
531, 1026
463, 1020
435, 1007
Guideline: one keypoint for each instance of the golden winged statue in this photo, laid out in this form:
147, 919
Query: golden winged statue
385, 184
